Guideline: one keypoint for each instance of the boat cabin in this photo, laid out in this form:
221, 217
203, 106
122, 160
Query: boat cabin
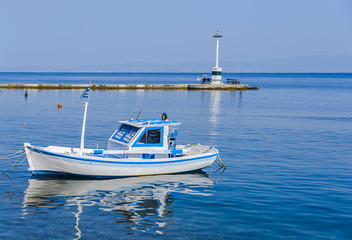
151, 138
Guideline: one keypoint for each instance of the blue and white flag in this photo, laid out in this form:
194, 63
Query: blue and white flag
85, 94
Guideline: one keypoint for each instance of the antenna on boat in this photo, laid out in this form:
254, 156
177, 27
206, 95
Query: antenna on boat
138, 114
85, 94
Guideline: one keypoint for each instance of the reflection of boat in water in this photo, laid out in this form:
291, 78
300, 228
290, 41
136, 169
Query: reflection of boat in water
142, 202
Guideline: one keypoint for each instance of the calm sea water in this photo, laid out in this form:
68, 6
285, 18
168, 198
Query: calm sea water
287, 148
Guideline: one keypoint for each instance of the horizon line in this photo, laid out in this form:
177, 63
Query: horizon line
173, 72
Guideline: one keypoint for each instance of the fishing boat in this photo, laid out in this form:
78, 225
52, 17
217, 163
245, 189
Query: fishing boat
138, 147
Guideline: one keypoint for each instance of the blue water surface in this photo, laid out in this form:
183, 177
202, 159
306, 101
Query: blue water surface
287, 148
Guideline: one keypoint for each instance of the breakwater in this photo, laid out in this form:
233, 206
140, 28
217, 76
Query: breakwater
131, 86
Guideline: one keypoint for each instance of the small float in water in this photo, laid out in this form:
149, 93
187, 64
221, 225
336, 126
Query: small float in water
138, 147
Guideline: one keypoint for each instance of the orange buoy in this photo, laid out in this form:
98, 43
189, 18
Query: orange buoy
59, 105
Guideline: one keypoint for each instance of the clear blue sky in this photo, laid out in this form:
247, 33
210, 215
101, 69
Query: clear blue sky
66, 34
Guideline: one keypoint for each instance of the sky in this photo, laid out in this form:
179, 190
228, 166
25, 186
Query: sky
176, 36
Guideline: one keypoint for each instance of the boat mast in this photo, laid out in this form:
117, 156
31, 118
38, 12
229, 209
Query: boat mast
84, 95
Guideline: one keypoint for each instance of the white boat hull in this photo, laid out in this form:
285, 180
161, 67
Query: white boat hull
45, 162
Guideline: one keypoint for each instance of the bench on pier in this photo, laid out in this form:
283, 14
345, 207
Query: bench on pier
206, 80
232, 81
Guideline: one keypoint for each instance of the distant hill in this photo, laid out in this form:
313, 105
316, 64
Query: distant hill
322, 63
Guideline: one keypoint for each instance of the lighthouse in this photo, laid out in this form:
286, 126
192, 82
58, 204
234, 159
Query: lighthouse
216, 71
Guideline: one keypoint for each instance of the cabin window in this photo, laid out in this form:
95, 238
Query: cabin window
173, 131
152, 136
125, 133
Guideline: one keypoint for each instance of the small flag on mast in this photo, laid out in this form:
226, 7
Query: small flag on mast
85, 94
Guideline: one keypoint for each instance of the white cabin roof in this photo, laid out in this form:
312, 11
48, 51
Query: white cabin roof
150, 122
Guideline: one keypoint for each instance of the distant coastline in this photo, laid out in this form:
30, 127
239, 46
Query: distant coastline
301, 64
117, 72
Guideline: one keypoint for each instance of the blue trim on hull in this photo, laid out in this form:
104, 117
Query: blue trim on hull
117, 162
48, 174
52, 174
43, 172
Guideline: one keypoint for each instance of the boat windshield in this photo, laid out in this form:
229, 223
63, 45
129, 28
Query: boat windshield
125, 133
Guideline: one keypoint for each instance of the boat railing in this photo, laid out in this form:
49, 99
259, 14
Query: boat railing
186, 150
115, 152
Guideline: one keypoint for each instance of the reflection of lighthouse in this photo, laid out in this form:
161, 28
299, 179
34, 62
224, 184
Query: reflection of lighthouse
216, 71
215, 99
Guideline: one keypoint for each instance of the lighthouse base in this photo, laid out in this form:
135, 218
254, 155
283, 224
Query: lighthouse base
216, 75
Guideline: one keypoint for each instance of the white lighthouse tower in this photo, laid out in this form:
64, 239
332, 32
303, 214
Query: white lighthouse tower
216, 71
